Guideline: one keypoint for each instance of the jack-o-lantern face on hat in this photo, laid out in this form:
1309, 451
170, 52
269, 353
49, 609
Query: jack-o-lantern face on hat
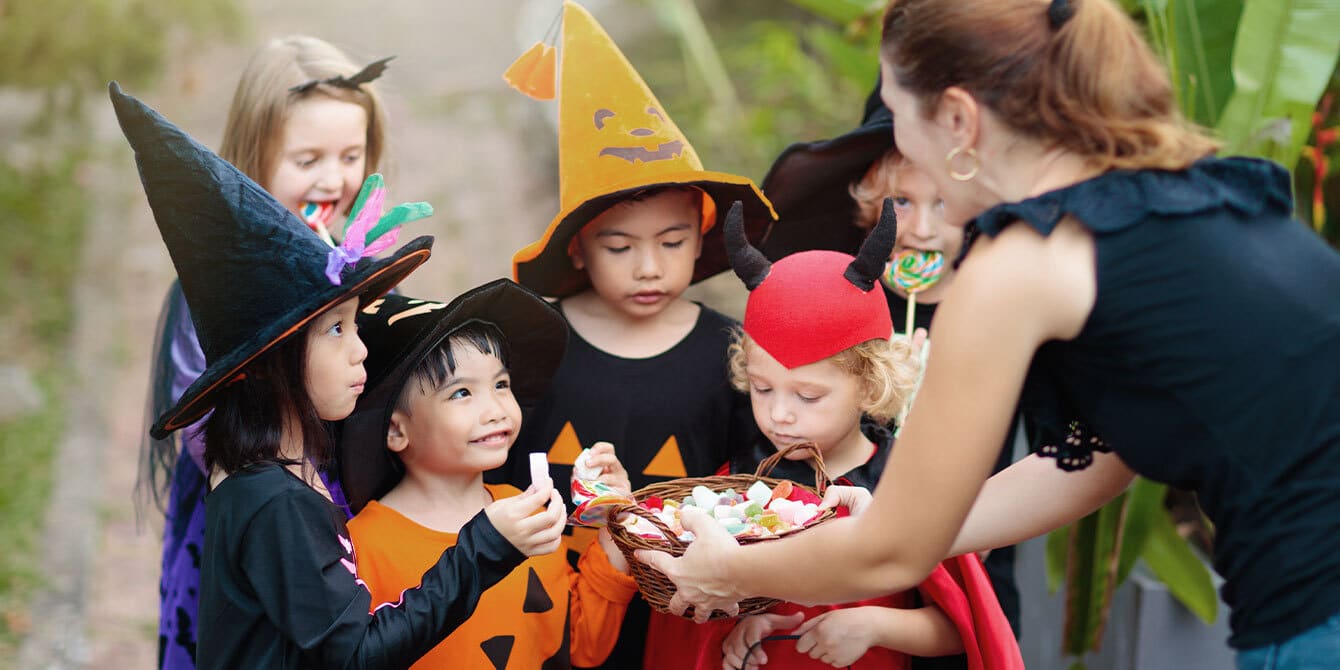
615, 139
649, 139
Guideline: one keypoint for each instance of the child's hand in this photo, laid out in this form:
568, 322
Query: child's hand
837, 638
612, 472
616, 557
920, 344
532, 533
854, 498
749, 630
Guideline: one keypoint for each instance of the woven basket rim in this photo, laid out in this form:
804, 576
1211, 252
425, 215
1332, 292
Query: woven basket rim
656, 588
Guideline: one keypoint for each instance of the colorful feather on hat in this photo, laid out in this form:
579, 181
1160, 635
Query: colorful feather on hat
368, 231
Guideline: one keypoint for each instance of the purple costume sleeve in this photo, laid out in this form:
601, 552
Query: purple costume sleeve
188, 363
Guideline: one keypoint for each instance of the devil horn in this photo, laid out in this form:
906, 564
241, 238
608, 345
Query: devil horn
749, 264
869, 264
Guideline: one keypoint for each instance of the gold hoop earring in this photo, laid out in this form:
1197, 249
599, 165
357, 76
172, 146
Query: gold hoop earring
955, 153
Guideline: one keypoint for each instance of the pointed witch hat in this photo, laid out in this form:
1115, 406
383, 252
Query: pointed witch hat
401, 331
615, 139
814, 304
252, 272
809, 186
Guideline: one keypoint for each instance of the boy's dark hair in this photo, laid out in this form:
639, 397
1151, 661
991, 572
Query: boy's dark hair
433, 371
247, 426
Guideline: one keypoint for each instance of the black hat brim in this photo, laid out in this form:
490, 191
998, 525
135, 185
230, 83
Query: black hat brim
809, 184
368, 280
536, 335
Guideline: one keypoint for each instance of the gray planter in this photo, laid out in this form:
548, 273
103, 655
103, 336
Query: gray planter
1147, 629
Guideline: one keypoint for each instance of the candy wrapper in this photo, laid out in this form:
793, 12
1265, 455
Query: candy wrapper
594, 500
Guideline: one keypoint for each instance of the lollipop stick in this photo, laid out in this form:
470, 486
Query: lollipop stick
911, 313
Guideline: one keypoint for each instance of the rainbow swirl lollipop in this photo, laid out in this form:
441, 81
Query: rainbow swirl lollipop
915, 270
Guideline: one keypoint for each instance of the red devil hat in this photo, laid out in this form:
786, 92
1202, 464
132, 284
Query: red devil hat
814, 304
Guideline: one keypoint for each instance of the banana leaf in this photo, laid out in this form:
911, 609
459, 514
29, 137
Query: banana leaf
1176, 565
1204, 32
1283, 57
1091, 576
1097, 553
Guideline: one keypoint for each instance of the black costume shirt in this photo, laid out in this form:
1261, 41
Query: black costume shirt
668, 416
1210, 362
278, 584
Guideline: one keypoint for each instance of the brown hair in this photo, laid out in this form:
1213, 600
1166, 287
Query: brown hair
869, 191
1091, 85
887, 370
252, 138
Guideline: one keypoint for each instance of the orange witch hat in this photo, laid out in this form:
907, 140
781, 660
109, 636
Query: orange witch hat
615, 139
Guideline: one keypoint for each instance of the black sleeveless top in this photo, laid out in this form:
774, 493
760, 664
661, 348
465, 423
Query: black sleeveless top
1211, 362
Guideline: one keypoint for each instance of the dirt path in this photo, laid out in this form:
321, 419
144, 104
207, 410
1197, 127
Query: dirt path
482, 155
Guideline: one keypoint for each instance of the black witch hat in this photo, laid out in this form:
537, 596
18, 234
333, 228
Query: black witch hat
400, 331
253, 274
808, 186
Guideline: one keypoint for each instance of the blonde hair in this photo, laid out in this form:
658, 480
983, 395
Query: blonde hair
1091, 86
253, 138
886, 369
870, 190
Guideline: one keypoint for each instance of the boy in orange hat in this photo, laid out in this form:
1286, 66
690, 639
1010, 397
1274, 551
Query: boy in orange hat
645, 368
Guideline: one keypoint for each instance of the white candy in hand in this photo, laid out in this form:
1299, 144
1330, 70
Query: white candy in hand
539, 467
583, 472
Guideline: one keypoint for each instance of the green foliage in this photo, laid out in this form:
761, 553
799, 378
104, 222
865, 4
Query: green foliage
62, 50
66, 48
791, 77
1097, 553
1195, 39
26, 449
1283, 58
1091, 576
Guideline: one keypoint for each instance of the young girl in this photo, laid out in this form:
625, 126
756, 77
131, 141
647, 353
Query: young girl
275, 309
306, 125
834, 380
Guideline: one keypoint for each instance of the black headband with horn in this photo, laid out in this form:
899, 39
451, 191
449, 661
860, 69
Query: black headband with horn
367, 74
869, 264
748, 262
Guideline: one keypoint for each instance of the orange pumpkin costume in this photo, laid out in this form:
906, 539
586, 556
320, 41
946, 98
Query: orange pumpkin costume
544, 614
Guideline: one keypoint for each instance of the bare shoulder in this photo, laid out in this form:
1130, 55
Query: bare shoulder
1049, 281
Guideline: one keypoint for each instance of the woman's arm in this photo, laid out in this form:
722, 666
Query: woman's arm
1018, 291
1033, 497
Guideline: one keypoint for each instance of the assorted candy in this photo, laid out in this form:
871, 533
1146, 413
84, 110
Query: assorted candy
761, 511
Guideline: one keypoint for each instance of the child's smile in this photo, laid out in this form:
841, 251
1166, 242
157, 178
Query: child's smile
468, 424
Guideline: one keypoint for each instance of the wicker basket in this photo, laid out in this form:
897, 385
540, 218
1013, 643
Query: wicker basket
656, 588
